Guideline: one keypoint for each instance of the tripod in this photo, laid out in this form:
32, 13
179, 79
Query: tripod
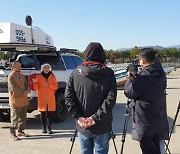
73, 140
127, 114
112, 135
174, 121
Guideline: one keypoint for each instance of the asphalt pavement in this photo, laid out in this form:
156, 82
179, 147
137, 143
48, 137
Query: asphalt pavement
59, 142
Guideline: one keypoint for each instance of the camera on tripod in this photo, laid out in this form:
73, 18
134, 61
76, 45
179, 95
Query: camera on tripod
133, 69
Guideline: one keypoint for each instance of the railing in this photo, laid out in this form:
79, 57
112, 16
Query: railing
171, 64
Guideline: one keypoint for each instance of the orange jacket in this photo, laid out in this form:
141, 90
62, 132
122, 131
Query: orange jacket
46, 95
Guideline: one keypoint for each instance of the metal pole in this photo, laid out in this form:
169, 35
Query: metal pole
127, 114
174, 121
32, 37
113, 136
73, 140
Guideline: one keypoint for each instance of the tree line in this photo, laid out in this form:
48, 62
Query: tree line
6, 55
115, 56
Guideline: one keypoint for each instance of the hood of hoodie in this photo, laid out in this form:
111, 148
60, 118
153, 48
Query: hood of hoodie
94, 52
94, 71
154, 74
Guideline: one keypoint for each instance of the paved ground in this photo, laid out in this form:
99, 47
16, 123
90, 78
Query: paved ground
59, 143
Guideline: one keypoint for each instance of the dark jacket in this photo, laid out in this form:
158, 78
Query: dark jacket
148, 93
91, 91
164, 135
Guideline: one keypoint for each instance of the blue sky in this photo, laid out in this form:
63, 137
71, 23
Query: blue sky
114, 23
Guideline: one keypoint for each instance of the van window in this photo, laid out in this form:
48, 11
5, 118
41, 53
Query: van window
71, 62
77, 60
27, 62
50, 59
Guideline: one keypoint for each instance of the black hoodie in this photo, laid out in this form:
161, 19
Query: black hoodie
91, 91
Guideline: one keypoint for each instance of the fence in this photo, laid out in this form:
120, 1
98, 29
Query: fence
171, 64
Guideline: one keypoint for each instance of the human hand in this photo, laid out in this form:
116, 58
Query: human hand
89, 122
86, 122
131, 76
81, 121
26, 93
34, 80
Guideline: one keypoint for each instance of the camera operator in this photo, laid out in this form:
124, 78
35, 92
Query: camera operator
164, 135
147, 90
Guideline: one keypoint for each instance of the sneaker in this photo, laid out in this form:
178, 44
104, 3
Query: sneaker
50, 132
14, 137
23, 134
44, 131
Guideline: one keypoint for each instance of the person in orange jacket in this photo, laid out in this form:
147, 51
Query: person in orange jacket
46, 84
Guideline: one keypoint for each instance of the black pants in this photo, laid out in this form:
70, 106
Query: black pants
46, 119
150, 144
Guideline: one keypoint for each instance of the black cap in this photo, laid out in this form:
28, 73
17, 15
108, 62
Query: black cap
94, 52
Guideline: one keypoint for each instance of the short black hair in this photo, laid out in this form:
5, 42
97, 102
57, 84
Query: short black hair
148, 54
14, 63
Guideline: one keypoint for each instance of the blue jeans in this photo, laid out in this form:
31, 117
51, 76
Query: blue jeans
162, 146
94, 143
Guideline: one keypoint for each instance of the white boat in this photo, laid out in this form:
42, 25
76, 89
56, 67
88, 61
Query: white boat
168, 69
121, 73
116, 67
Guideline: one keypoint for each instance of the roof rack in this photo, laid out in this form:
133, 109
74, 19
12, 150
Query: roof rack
66, 50
16, 47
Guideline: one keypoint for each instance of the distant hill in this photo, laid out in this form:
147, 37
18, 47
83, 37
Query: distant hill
174, 46
158, 47
154, 47
124, 49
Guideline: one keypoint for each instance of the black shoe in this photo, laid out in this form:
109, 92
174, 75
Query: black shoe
44, 131
50, 132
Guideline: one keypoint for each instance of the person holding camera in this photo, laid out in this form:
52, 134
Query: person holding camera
147, 92
90, 97
164, 135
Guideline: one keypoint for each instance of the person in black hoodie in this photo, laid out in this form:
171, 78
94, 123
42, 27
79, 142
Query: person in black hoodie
90, 97
147, 91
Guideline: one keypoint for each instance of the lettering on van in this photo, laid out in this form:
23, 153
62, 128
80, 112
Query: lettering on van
48, 40
20, 36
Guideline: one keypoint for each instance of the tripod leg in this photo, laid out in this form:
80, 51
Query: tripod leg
113, 136
167, 147
124, 132
127, 114
174, 121
73, 140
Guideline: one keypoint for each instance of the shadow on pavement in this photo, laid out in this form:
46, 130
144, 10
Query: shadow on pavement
66, 129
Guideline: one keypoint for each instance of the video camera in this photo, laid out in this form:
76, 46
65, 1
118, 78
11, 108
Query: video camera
133, 69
